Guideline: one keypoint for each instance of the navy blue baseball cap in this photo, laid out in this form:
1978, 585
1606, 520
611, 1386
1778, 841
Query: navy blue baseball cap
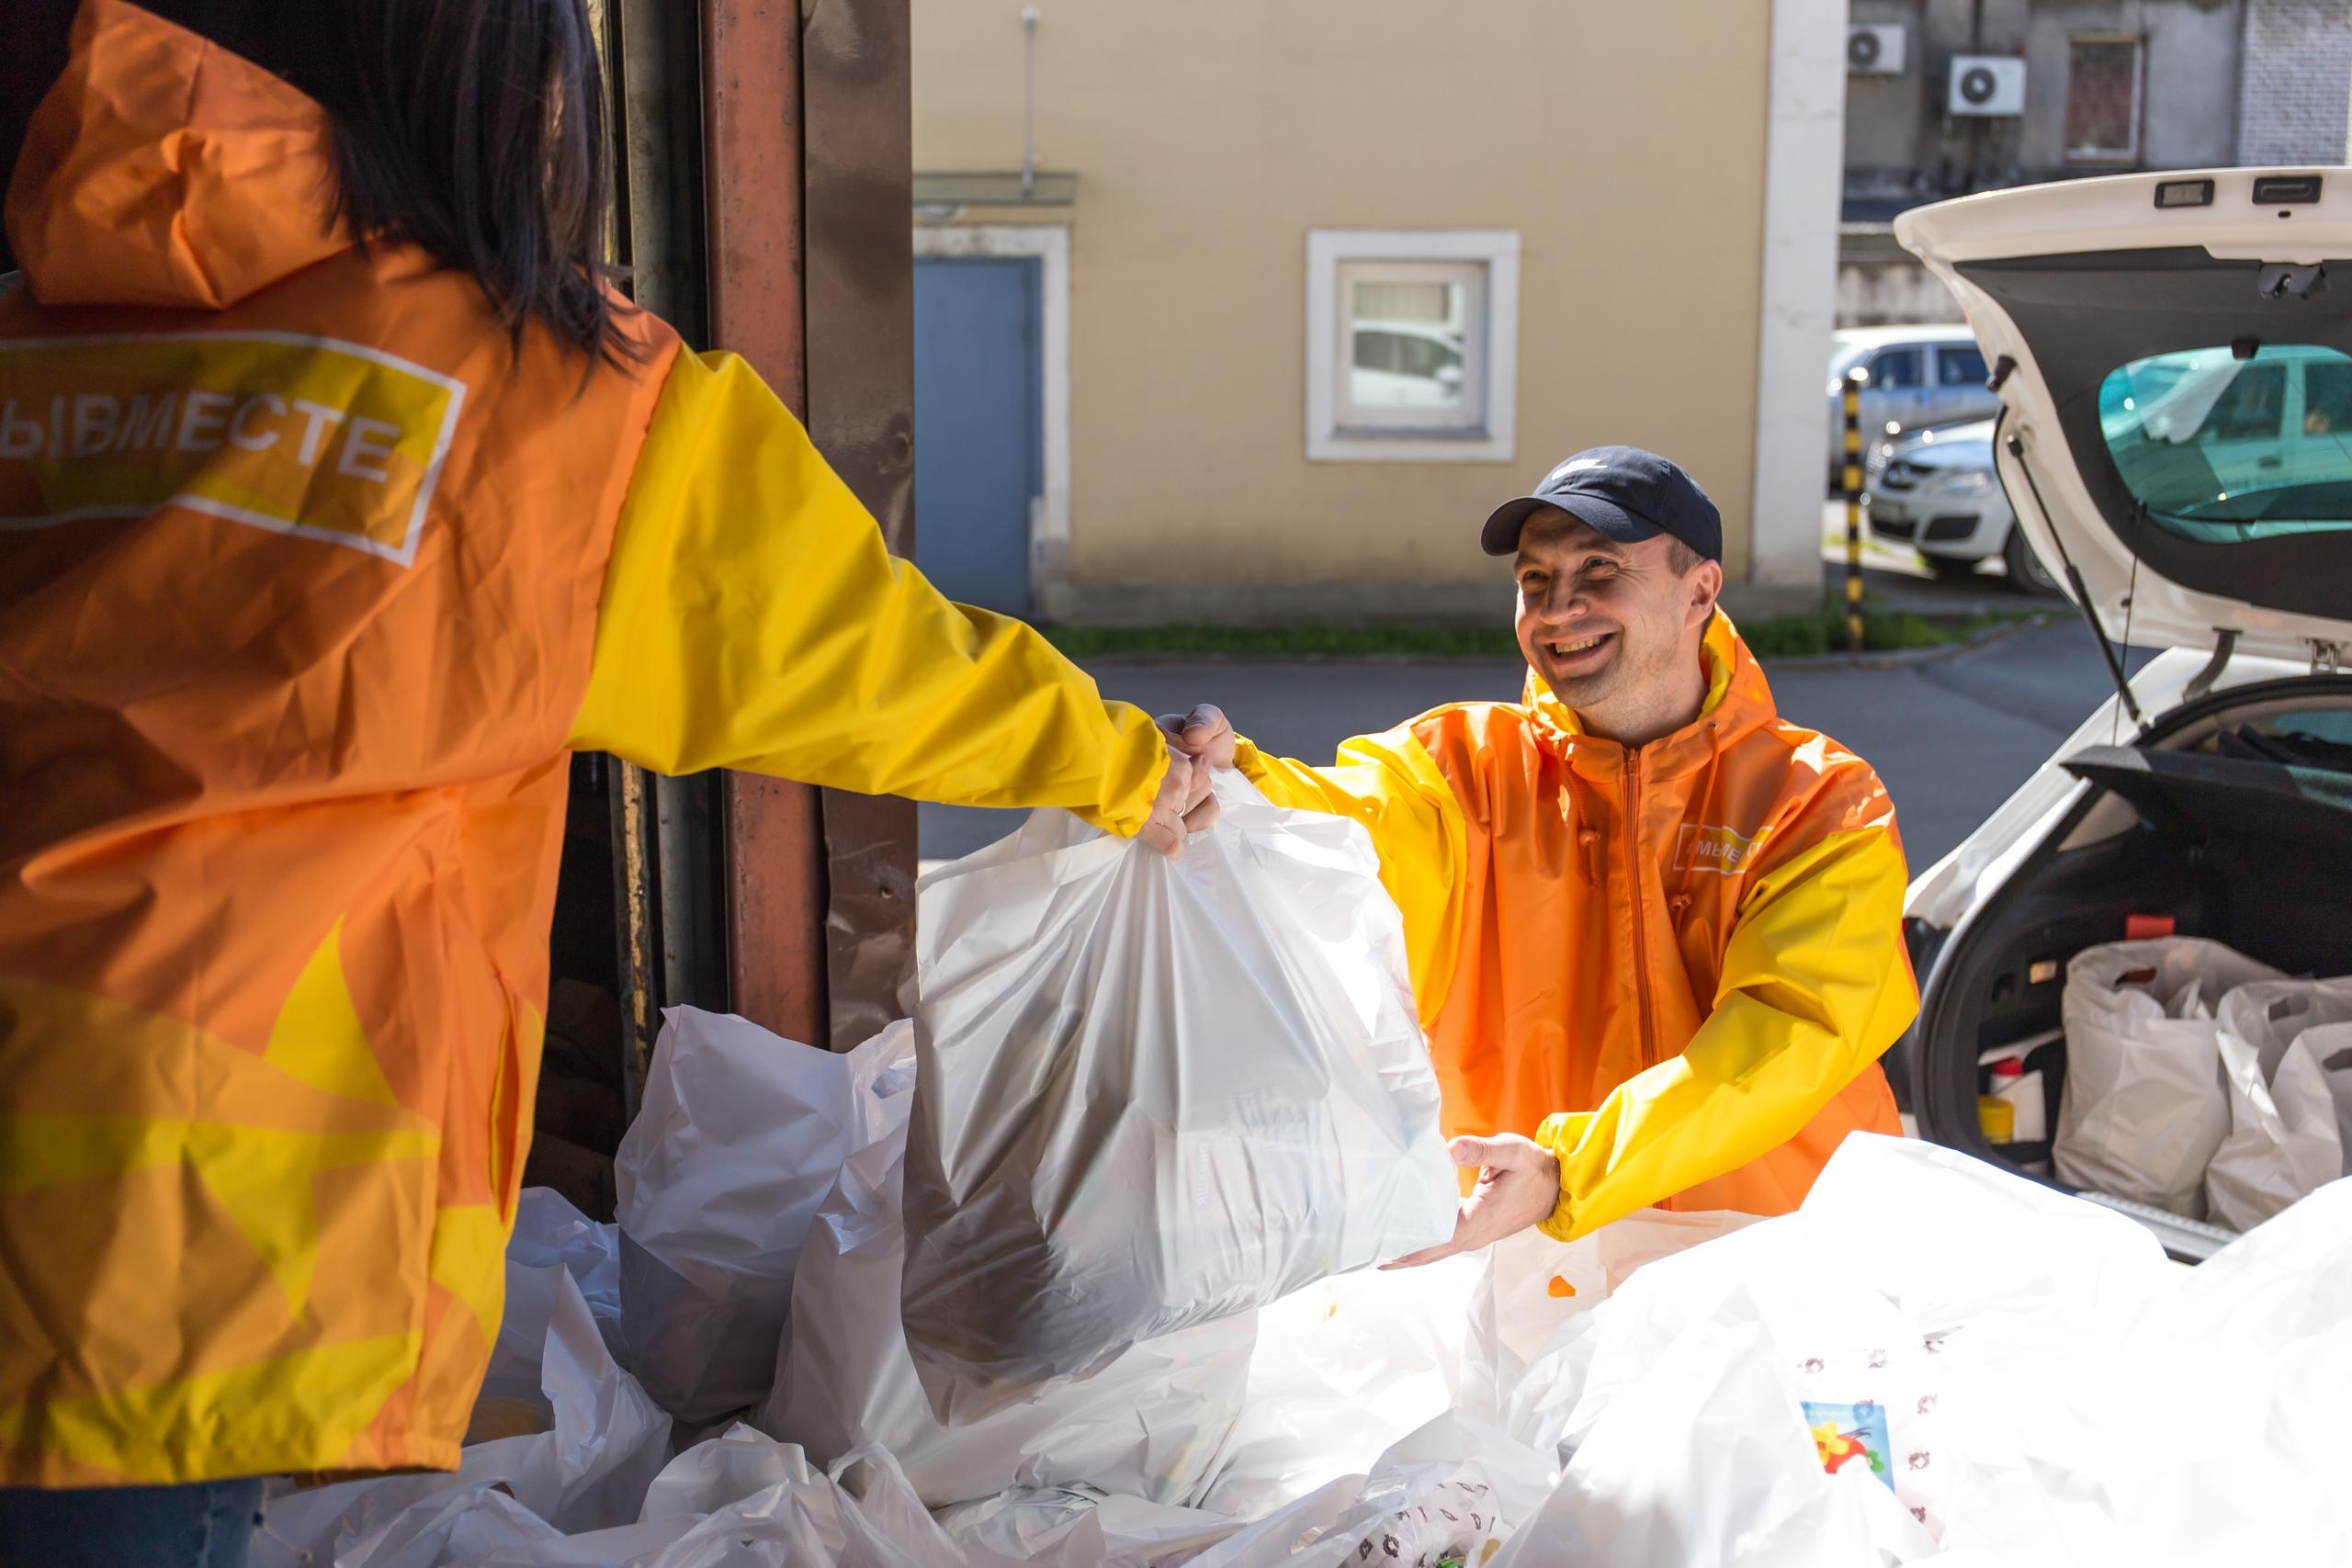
1622, 492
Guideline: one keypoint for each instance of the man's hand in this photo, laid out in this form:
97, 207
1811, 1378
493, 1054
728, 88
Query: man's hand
1197, 741
1202, 733
1519, 1186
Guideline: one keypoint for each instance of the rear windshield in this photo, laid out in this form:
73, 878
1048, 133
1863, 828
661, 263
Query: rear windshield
2221, 449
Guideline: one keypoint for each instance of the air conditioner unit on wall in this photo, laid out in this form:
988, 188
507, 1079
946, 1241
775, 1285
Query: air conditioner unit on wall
1874, 48
1986, 84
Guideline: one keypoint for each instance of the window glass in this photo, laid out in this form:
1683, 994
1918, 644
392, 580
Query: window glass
1960, 366
1897, 370
2210, 445
1408, 345
2103, 98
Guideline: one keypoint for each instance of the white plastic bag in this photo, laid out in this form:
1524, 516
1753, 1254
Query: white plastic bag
1452, 1489
1155, 1093
737, 1141
1532, 1287
2284, 1051
1343, 1371
1149, 1424
2144, 1109
605, 1442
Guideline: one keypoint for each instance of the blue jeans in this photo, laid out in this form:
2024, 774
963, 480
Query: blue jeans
208, 1525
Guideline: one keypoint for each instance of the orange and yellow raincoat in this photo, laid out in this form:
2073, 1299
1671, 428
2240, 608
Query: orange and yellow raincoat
310, 581
1674, 967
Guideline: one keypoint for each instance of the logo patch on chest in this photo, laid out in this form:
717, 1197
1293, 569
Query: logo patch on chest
1724, 849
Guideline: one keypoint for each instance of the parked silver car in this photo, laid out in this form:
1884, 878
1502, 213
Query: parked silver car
1918, 375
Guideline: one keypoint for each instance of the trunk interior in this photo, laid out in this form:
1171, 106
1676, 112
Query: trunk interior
2233, 820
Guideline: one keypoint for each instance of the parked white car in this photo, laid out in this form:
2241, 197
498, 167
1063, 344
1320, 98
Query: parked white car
2173, 370
1937, 493
1918, 375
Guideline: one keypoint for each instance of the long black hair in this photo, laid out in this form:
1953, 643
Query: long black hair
471, 128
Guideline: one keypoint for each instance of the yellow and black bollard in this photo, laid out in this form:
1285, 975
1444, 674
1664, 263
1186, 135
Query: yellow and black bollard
1854, 509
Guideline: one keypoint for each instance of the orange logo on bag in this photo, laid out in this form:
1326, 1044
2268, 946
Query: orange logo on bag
293, 433
1716, 848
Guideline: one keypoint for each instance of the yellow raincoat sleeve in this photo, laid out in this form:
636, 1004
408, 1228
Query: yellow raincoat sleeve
753, 619
1816, 984
1391, 785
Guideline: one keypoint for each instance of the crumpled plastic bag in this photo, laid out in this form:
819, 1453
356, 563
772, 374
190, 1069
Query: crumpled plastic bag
2204, 1424
1148, 1426
2287, 1056
1450, 1489
1533, 1286
762, 1504
1732, 1394
550, 1234
1153, 1094
1343, 1371
2144, 1109
739, 1139
606, 1440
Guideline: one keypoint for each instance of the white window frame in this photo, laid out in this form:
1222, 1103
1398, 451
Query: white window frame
2107, 155
1494, 348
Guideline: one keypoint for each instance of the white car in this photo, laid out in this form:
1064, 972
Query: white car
1917, 376
2173, 370
1937, 493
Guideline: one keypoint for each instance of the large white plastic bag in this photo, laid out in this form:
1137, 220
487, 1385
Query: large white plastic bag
1705, 1462
1900, 1252
1155, 1093
1149, 1425
737, 1141
2144, 1109
2289, 1108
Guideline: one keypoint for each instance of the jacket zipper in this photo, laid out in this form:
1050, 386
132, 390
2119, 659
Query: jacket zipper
1632, 835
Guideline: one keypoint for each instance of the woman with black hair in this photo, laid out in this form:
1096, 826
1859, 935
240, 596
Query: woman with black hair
340, 499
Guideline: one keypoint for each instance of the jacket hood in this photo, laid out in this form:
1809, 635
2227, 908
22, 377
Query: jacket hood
1738, 697
162, 169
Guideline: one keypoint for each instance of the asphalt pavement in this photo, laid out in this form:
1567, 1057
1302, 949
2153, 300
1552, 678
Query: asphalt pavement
1951, 735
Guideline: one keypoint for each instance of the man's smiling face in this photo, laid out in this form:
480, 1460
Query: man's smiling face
1609, 626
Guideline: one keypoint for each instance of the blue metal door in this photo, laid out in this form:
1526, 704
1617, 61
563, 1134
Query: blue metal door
979, 425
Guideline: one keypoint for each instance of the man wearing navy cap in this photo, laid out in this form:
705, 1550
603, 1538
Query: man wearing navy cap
1655, 930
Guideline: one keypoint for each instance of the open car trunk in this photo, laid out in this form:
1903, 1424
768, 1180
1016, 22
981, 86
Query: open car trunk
2233, 819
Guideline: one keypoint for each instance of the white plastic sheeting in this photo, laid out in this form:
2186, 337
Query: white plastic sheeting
2144, 1109
1154, 1094
737, 1141
2287, 1057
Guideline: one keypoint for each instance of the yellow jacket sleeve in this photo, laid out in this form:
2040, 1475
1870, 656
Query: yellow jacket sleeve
1391, 785
1815, 985
753, 619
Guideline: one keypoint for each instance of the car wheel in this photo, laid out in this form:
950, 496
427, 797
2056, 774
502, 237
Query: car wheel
2027, 574
1949, 569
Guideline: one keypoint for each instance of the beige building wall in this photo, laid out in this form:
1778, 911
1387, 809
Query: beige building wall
1624, 142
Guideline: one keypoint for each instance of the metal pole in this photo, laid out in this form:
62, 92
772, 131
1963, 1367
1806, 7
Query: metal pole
1028, 102
1854, 380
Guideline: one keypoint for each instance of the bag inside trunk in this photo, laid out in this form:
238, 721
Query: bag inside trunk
2237, 840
